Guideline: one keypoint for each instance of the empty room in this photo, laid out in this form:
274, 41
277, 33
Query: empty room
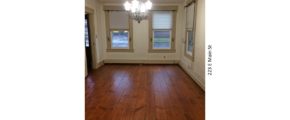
145, 60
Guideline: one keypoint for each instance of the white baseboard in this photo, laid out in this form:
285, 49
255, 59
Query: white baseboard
195, 78
125, 61
100, 64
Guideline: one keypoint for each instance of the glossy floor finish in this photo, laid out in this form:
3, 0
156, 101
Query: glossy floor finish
143, 92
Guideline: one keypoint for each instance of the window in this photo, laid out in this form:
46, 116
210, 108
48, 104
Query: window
162, 31
161, 39
118, 31
162, 25
120, 39
190, 30
87, 40
189, 42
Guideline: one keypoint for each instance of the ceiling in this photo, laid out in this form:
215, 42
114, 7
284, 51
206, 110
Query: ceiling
153, 1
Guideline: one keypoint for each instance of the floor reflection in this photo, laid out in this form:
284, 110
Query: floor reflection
121, 82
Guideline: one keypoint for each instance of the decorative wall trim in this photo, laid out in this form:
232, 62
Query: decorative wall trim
126, 61
196, 79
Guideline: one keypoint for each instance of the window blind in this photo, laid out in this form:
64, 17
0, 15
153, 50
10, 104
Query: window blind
162, 20
119, 20
189, 16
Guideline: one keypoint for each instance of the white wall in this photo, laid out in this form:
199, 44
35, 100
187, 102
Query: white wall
196, 68
141, 42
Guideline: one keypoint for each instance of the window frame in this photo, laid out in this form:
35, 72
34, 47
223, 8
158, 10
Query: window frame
109, 30
193, 29
151, 49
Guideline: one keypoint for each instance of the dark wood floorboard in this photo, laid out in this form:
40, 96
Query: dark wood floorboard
142, 92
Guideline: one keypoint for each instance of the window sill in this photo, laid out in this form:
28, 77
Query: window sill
161, 50
120, 50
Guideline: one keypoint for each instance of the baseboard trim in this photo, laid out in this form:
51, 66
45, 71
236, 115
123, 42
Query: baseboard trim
100, 64
195, 79
126, 61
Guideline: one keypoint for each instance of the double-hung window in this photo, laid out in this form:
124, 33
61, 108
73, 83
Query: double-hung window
190, 30
162, 31
118, 32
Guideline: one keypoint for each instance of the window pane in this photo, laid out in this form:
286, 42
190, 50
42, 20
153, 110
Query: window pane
87, 34
161, 39
120, 39
189, 42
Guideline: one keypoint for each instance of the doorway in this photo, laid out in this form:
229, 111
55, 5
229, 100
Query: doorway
88, 44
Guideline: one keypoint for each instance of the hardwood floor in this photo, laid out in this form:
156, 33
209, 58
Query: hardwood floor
143, 92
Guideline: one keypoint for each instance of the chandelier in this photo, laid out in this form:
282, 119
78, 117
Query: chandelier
138, 9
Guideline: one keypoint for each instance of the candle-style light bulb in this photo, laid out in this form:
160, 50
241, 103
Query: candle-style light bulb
127, 6
148, 5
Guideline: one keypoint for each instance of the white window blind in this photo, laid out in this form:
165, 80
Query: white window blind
189, 16
119, 20
162, 20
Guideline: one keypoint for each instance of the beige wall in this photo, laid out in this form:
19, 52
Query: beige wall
141, 42
196, 68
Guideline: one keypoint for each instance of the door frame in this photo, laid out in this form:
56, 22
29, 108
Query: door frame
90, 12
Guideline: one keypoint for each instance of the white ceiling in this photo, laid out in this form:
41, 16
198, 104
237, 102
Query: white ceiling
153, 1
